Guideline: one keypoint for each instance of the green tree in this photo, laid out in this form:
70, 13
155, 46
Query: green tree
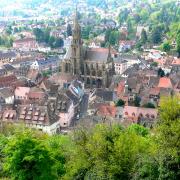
86, 32
140, 130
178, 44
107, 35
3, 142
161, 73
69, 30
137, 101
28, 158
6, 41
123, 15
114, 37
52, 40
22, 36
106, 152
38, 34
156, 35
59, 43
144, 15
58, 146
154, 64
16, 30
137, 18
139, 46
168, 133
11, 42
149, 105
147, 165
143, 36
166, 46
9, 30
46, 35
120, 102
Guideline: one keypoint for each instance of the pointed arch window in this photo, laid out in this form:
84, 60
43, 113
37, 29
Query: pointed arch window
74, 51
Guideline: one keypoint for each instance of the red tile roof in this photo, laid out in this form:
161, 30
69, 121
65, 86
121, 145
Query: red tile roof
36, 95
24, 40
165, 82
6, 81
8, 78
120, 88
154, 91
9, 114
133, 113
107, 110
176, 61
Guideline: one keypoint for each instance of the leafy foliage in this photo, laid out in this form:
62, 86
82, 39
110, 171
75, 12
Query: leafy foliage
120, 102
112, 36
178, 43
161, 73
166, 46
6, 41
26, 158
137, 101
149, 105
154, 64
113, 159
32, 155
43, 36
168, 133
143, 36
156, 35
69, 30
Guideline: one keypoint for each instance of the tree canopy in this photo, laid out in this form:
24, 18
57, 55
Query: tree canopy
166, 46
43, 36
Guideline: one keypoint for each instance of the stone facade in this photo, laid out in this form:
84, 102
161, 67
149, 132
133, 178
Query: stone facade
94, 66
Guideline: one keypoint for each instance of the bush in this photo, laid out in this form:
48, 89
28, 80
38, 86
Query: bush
149, 105
120, 102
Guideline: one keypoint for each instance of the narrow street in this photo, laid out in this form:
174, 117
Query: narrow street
84, 105
82, 109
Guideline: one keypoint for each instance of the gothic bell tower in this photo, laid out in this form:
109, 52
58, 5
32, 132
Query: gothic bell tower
76, 58
109, 70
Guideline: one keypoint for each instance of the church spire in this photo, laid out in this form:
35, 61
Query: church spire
76, 46
76, 24
109, 59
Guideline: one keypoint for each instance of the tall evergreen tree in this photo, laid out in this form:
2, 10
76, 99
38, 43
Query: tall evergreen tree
178, 43
143, 36
156, 35
69, 30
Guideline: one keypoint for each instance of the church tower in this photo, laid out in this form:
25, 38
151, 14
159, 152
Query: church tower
109, 70
76, 58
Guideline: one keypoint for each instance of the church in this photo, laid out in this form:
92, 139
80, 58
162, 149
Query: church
94, 66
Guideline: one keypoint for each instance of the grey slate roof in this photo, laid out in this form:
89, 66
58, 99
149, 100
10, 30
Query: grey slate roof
48, 61
97, 56
6, 92
8, 67
106, 95
9, 54
72, 97
63, 103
